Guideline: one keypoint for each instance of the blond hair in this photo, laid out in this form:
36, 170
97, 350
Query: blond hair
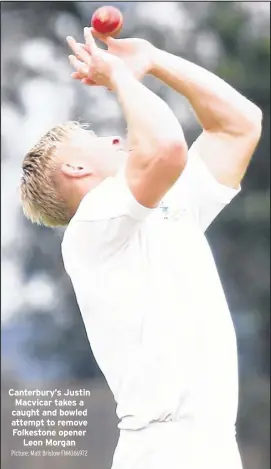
41, 201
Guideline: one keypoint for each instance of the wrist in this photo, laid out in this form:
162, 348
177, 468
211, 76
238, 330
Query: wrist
150, 53
119, 76
155, 62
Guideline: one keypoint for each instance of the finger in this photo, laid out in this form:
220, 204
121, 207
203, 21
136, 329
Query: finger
87, 81
78, 66
72, 42
90, 42
106, 39
77, 75
83, 55
79, 52
82, 78
85, 46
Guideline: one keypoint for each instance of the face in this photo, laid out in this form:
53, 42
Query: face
84, 161
90, 154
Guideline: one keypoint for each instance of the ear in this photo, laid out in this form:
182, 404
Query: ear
75, 171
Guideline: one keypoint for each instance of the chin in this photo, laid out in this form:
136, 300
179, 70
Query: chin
122, 156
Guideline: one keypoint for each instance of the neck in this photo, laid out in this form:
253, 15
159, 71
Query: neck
80, 191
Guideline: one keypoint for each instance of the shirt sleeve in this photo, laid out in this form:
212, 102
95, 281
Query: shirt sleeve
111, 199
198, 193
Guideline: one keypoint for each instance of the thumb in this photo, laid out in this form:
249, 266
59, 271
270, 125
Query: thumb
108, 40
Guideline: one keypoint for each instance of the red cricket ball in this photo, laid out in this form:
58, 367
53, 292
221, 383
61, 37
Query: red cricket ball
107, 20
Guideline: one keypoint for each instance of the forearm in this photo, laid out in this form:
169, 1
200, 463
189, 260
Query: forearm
149, 119
218, 106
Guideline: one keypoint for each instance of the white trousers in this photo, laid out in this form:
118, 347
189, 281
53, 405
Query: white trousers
171, 445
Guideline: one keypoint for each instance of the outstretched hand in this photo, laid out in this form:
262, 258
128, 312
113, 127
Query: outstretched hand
136, 54
93, 64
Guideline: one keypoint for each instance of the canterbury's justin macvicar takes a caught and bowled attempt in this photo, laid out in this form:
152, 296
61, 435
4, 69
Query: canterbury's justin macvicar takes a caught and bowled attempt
135, 250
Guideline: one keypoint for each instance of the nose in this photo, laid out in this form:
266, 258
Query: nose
116, 140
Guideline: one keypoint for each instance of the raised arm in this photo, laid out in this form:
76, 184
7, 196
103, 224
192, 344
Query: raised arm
231, 123
158, 150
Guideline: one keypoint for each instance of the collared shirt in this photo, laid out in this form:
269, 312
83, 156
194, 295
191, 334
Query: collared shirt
152, 301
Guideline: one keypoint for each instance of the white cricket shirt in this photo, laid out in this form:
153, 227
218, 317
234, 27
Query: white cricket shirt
152, 302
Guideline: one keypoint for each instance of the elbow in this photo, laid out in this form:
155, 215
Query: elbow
173, 154
253, 124
258, 115
256, 120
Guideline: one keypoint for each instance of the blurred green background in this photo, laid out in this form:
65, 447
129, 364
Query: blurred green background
43, 338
